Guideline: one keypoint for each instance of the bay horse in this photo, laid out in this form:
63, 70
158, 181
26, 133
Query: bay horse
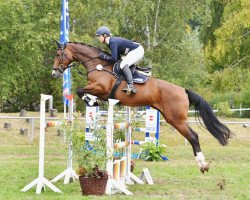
171, 100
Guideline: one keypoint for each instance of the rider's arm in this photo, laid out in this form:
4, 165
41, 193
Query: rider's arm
114, 54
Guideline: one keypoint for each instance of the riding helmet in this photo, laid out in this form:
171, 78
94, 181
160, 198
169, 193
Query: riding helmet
103, 30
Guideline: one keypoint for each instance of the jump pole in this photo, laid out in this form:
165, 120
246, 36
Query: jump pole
128, 152
41, 181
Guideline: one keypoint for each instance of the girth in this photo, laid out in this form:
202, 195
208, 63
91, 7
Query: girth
117, 83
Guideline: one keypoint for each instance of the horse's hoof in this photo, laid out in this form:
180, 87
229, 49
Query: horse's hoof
204, 168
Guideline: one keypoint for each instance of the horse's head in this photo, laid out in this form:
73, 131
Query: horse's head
62, 60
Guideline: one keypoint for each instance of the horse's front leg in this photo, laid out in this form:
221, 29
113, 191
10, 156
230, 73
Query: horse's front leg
92, 89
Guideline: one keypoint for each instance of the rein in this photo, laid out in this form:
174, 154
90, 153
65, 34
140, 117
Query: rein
88, 72
103, 69
92, 70
89, 60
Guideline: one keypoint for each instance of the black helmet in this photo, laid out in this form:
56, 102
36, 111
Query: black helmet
103, 30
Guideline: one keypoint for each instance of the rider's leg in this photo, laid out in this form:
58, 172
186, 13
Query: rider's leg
127, 73
131, 58
132, 68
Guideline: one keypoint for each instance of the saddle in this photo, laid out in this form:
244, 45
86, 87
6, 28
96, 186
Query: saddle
140, 74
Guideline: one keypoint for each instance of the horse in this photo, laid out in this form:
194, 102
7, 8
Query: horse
171, 100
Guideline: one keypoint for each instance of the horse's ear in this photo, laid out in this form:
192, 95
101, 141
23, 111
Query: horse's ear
59, 45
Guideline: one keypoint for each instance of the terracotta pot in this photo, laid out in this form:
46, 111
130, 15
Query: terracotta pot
93, 185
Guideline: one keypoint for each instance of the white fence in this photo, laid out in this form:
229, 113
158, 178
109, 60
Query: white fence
233, 110
247, 123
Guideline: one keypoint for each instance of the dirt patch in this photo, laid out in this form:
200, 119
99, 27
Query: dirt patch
222, 184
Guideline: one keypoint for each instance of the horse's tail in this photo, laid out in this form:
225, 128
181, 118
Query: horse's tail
221, 132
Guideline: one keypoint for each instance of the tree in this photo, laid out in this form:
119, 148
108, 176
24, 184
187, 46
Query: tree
227, 52
169, 31
26, 35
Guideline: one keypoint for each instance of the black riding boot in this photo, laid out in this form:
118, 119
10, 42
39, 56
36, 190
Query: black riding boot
128, 75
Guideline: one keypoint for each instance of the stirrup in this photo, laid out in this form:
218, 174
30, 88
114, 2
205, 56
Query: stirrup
144, 69
145, 73
129, 90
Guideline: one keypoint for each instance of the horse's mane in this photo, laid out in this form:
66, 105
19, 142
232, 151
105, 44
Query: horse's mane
98, 49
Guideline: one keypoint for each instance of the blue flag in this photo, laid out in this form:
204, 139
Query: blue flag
64, 32
64, 38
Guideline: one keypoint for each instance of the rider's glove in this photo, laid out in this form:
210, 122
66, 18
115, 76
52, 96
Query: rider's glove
102, 56
106, 57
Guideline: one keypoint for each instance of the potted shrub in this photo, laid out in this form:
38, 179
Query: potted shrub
91, 159
152, 152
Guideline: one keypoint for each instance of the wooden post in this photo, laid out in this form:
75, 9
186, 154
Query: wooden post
22, 113
28, 120
8, 125
53, 112
23, 131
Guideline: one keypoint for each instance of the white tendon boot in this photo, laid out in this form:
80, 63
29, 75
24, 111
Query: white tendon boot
200, 159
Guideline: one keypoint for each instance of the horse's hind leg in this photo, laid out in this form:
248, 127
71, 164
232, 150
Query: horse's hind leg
193, 139
173, 104
199, 157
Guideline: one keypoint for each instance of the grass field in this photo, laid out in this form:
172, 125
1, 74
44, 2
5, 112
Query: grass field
179, 178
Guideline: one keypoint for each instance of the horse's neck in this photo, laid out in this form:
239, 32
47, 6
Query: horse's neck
83, 53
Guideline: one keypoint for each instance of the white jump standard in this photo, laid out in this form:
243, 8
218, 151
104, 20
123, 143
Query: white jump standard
114, 183
69, 174
41, 181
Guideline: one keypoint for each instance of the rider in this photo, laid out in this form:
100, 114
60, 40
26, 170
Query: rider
133, 53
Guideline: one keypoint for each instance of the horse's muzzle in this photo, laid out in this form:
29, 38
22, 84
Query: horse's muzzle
57, 73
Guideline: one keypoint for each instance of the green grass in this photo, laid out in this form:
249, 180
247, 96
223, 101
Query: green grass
179, 178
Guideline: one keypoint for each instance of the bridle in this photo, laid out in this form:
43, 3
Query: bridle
63, 54
59, 68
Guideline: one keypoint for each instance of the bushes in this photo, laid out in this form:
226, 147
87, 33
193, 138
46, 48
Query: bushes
152, 152
224, 109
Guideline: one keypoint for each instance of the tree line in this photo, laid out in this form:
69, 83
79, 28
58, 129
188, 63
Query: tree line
202, 45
